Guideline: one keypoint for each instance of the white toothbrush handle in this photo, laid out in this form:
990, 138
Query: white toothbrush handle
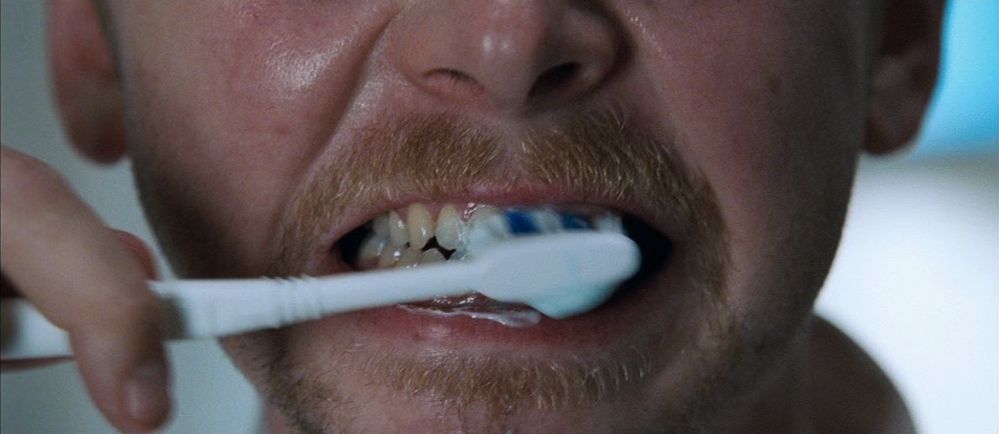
25, 333
211, 308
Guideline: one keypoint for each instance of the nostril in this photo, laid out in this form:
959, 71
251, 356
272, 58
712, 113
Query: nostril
554, 79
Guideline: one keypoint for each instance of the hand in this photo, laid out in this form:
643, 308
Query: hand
89, 280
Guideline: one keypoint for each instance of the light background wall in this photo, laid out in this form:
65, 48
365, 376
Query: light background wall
915, 283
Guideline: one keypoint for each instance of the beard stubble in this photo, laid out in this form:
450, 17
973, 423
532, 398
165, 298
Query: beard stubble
598, 156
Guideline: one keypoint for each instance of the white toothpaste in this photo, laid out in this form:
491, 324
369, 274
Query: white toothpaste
518, 318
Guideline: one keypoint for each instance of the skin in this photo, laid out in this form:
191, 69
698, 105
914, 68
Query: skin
768, 103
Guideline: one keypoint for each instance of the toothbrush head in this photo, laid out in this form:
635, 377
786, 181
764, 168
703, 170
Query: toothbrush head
559, 275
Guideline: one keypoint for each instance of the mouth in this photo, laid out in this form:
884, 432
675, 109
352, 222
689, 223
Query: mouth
428, 233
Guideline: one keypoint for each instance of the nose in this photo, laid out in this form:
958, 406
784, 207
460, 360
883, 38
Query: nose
507, 55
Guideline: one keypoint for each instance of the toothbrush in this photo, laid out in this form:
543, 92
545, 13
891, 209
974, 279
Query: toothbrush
559, 273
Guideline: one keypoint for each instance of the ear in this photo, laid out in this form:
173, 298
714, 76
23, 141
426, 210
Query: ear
87, 89
904, 72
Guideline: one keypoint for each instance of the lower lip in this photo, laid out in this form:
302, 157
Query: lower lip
607, 324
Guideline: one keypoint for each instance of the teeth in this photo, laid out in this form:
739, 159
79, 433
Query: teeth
397, 230
449, 228
490, 228
421, 225
390, 256
395, 241
372, 248
380, 226
487, 214
410, 258
432, 256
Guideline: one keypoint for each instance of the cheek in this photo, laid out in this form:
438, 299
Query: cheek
221, 138
214, 164
782, 167
772, 115
212, 210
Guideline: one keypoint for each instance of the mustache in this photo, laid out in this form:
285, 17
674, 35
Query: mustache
595, 155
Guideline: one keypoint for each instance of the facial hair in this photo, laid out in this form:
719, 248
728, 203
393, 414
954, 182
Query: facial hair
597, 155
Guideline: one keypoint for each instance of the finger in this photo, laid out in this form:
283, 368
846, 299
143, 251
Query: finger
140, 250
134, 244
78, 274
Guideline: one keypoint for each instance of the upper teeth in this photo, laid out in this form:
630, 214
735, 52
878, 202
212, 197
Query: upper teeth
449, 227
399, 238
397, 229
421, 225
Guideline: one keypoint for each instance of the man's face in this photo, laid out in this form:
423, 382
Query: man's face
725, 133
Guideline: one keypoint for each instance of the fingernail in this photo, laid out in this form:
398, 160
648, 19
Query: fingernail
147, 400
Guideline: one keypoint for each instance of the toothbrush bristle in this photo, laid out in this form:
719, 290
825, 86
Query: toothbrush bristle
541, 221
574, 222
520, 222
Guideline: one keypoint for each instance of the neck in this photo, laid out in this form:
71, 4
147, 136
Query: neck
780, 401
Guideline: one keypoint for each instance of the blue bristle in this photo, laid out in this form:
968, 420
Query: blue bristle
573, 222
521, 223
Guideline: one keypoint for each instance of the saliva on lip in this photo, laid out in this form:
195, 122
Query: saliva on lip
415, 235
514, 317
